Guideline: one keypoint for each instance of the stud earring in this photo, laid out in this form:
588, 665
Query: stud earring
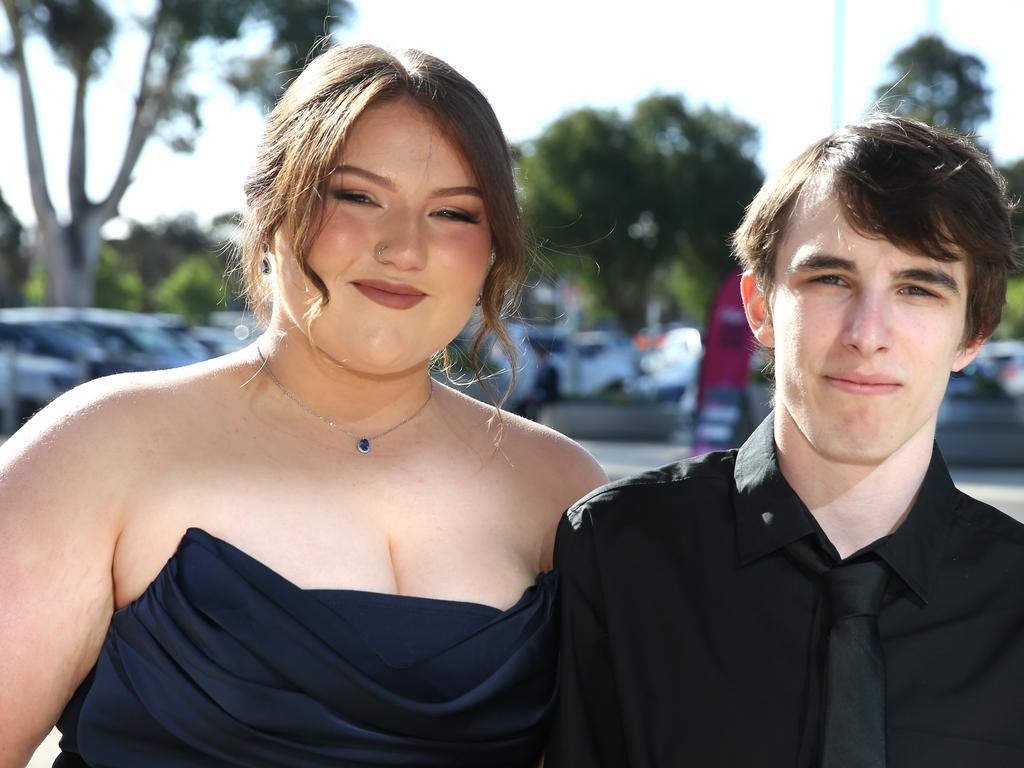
265, 264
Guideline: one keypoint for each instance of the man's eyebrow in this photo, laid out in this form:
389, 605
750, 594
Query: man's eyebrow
818, 261
932, 277
376, 178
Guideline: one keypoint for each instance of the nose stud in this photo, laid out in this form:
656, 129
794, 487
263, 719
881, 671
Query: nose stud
381, 248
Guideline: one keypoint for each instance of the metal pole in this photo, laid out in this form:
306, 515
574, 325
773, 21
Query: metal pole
838, 40
8, 395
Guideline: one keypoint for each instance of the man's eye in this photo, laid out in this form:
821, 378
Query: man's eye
829, 280
916, 290
457, 215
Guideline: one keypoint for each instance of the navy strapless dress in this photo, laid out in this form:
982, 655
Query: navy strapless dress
224, 662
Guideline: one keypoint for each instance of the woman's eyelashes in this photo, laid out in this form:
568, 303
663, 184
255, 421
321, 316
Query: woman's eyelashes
357, 197
459, 215
353, 196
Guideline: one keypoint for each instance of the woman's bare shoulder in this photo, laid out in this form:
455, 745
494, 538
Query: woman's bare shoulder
111, 422
64, 480
555, 464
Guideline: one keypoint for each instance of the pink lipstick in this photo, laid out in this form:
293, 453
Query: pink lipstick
391, 295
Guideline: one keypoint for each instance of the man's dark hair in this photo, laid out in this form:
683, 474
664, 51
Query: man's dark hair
924, 189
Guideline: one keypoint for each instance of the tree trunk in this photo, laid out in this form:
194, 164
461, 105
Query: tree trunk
69, 254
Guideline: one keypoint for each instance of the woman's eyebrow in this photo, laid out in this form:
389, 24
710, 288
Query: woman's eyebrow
387, 183
450, 191
376, 178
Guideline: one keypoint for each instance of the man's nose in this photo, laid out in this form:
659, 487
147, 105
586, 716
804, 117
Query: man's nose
868, 323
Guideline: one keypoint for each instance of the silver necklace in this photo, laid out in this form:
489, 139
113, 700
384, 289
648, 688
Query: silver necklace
363, 443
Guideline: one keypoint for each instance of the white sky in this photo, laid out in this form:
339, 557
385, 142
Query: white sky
770, 63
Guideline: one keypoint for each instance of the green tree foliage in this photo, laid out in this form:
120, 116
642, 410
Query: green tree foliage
1013, 313
250, 44
1014, 175
117, 286
156, 250
1012, 326
938, 85
13, 262
194, 290
640, 206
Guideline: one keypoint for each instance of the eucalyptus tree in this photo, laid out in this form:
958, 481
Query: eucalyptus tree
245, 43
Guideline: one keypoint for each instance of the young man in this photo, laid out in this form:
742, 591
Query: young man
824, 596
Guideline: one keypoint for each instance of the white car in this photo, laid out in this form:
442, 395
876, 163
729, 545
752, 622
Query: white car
1004, 361
587, 363
1011, 375
30, 382
671, 371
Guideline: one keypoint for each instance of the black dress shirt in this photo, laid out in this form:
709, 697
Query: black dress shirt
690, 638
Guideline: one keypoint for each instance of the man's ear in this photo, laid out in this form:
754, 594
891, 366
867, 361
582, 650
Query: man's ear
967, 353
756, 308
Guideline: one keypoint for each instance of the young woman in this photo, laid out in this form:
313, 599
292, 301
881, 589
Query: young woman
308, 552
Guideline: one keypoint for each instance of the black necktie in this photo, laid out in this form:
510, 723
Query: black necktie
853, 723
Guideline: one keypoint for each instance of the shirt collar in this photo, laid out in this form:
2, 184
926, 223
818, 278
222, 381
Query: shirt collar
917, 547
769, 514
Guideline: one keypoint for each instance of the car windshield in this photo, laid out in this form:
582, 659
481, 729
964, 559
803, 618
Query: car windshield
62, 342
138, 339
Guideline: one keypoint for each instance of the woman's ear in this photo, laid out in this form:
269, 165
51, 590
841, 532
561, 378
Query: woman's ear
759, 315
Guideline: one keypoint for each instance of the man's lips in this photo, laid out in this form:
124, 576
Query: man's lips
393, 295
863, 384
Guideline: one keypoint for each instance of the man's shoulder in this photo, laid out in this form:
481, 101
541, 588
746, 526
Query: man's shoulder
986, 520
665, 489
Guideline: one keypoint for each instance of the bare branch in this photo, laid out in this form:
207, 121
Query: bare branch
76, 163
149, 103
30, 124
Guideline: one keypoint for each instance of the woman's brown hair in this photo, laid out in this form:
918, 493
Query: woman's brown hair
304, 136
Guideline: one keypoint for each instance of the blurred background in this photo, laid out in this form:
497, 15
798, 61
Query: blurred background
641, 131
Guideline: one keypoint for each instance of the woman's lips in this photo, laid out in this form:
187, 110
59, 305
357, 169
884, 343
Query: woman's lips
863, 385
394, 296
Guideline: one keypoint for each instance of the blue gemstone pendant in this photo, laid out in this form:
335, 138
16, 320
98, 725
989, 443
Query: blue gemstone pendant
363, 445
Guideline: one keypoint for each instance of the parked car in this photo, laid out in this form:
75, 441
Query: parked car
671, 371
138, 340
91, 360
587, 363
1011, 375
29, 381
1004, 361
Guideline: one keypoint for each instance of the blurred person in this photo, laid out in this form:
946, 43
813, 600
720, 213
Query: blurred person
545, 386
824, 595
307, 552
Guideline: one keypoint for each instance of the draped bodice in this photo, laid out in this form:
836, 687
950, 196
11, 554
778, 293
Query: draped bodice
224, 662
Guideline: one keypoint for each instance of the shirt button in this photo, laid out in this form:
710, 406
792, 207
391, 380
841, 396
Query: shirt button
768, 517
